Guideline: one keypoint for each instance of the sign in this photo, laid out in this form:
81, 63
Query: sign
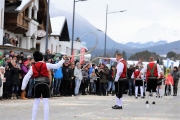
40, 33
83, 50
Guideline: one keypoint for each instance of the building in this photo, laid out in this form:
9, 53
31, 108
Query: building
1, 19
23, 18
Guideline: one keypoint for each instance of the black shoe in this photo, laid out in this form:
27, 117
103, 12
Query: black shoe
147, 102
118, 107
136, 97
114, 106
153, 103
142, 97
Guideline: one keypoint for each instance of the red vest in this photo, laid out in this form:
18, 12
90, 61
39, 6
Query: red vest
40, 70
136, 73
150, 68
123, 75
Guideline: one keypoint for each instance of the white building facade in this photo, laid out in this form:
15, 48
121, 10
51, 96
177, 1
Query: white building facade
1, 20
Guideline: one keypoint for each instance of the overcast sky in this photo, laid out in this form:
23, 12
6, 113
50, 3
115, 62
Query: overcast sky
121, 26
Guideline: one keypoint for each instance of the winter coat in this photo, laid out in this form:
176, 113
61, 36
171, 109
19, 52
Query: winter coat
7, 75
93, 78
5, 40
78, 74
129, 73
169, 80
175, 75
24, 70
112, 75
104, 75
58, 74
71, 74
15, 76
85, 75
65, 71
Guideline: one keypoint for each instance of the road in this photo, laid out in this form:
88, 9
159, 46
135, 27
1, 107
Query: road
92, 107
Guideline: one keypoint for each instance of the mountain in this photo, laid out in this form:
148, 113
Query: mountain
82, 26
145, 45
155, 33
162, 49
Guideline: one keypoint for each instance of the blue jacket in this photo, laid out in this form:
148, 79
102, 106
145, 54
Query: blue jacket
58, 73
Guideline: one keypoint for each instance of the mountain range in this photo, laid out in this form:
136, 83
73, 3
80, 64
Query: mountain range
154, 38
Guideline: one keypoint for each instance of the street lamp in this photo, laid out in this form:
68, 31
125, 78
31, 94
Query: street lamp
106, 26
73, 24
47, 26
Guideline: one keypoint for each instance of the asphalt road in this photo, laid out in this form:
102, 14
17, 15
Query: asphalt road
92, 107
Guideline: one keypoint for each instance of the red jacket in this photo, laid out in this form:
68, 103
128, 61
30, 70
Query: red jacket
40, 70
136, 73
169, 80
150, 67
123, 75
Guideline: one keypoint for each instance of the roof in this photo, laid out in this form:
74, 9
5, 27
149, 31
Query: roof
57, 24
23, 4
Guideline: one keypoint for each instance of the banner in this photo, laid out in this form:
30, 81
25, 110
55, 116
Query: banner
83, 50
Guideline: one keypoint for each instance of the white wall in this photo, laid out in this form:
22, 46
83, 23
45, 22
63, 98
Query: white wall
1, 21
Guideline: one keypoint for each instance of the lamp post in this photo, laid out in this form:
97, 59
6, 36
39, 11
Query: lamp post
73, 24
47, 26
106, 27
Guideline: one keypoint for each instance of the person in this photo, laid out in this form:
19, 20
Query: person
176, 76
159, 91
58, 75
7, 83
39, 71
2, 62
93, 79
78, 78
15, 70
103, 72
3, 79
66, 82
138, 82
84, 81
130, 71
72, 78
48, 55
112, 73
168, 83
5, 39
120, 79
153, 72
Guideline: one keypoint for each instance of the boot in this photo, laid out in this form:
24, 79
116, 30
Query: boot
23, 94
113, 92
12, 96
15, 97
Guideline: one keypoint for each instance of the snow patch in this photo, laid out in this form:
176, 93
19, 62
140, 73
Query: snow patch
23, 4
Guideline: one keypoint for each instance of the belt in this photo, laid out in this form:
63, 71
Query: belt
152, 77
138, 79
122, 79
42, 80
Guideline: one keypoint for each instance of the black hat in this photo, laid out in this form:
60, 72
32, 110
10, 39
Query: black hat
21, 52
38, 56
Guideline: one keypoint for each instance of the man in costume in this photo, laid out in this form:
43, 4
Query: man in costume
153, 72
120, 79
39, 71
138, 82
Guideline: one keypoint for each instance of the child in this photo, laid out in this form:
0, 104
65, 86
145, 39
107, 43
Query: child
168, 82
93, 79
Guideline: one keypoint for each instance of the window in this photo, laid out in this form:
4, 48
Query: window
59, 48
51, 48
20, 41
38, 46
1, 19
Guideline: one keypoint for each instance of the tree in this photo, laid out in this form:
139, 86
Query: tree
124, 55
171, 54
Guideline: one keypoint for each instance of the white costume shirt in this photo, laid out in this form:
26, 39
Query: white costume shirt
119, 67
30, 72
144, 70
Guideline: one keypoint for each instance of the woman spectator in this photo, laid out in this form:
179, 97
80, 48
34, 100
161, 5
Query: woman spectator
2, 71
103, 71
66, 82
72, 78
24, 71
93, 79
15, 81
78, 78
57, 80
112, 74
84, 81
7, 84
176, 76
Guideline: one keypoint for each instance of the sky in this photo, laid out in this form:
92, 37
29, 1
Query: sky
121, 26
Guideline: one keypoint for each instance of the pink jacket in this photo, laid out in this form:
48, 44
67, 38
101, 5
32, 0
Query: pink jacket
169, 80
